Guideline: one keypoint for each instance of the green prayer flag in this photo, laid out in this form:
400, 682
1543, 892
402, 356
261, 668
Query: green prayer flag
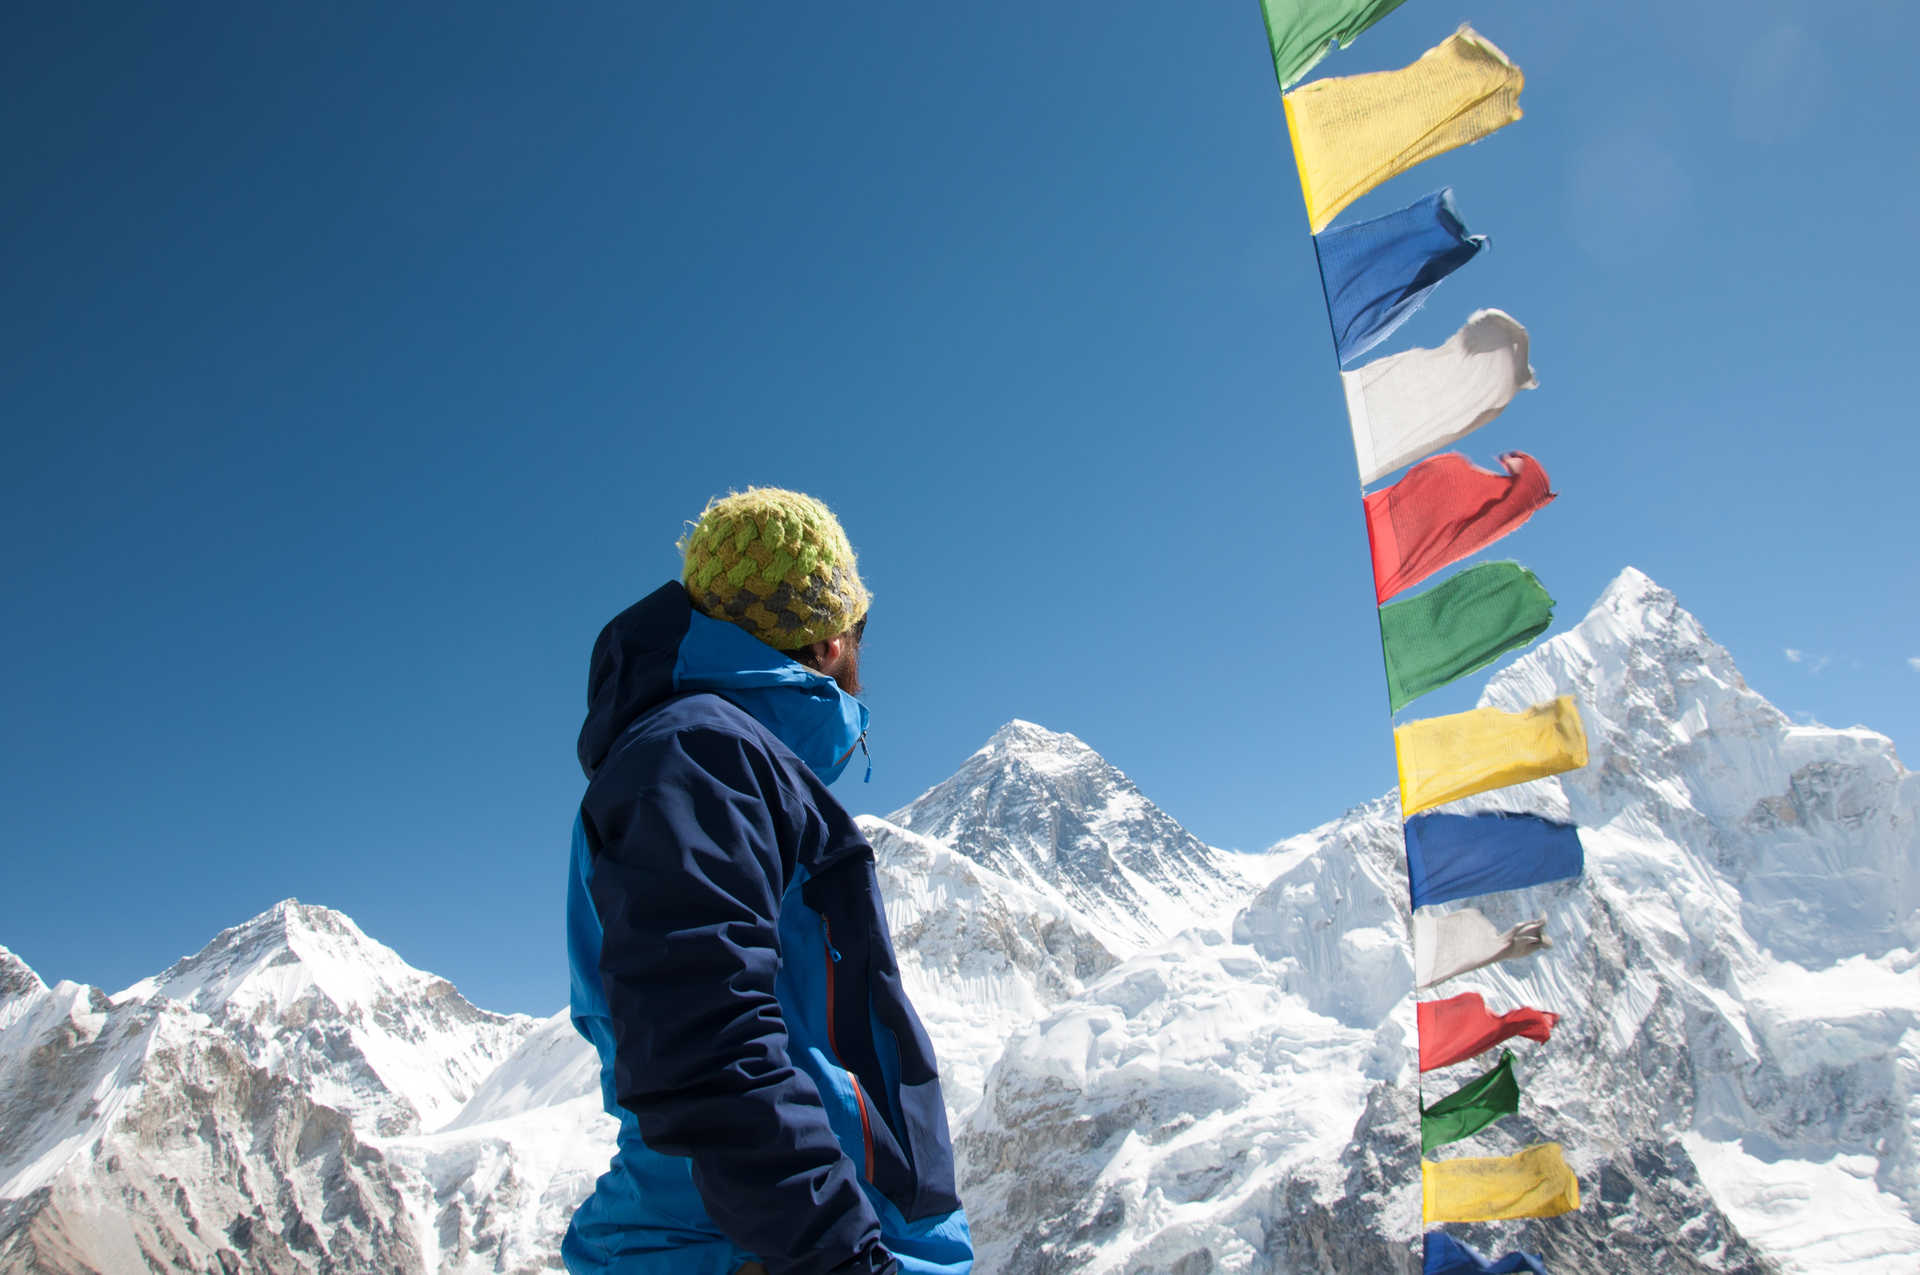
1301, 31
1468, 1110
1465, 624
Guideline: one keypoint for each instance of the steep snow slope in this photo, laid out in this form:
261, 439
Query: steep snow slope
981, 955
494, 1189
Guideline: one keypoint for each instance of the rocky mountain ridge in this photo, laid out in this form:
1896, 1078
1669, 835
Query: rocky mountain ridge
1159, 1057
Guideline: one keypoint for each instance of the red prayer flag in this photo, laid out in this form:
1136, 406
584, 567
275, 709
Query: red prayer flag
1444, 509
1456, 1029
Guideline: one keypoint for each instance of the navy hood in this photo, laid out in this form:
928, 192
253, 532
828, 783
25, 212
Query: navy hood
632, 668
661, 647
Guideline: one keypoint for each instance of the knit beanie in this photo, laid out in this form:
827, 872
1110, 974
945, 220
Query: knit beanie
777, 564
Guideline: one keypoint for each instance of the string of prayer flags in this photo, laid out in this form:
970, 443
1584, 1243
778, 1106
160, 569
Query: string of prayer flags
1449, 944
1301, 32
1406, 405
1472, 1107
1464, 624
1377, 273
1457, 856
1534, 1183
1348, 135
1448, 1256
1445, 758
1356, 131
1462, 1027
1445, 509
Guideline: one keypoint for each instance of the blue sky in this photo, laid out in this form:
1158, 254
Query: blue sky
358, 364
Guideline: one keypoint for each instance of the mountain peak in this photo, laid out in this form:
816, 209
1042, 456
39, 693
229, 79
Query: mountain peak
1634, 607
17, 978
1045, 810
1046, 765
1637, 653
405, 1048
1030, 740
260, 956
1632, 582
289, 918
1680, 748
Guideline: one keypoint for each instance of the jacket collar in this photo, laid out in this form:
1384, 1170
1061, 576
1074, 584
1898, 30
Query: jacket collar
805, 710
661, 647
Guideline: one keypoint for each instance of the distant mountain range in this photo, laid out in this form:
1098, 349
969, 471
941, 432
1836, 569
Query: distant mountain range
1160, 1057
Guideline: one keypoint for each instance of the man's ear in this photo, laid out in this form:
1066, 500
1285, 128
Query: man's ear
826, 654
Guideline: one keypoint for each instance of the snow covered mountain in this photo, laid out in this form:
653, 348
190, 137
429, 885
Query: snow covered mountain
1037, 867
1160, 1057
294, 1098
1736, 1076
1045, 811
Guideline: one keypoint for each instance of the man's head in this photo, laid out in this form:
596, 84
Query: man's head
777, 564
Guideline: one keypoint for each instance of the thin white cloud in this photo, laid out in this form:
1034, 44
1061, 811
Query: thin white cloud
1913, 662
1815, 662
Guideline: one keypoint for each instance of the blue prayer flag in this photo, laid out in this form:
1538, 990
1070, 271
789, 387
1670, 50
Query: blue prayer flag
1457, 856
1377, 273
1448, 1256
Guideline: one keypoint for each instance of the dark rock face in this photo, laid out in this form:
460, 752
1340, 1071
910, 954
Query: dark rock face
277, 1184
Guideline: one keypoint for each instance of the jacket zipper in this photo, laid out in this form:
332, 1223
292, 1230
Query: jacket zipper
859, 1098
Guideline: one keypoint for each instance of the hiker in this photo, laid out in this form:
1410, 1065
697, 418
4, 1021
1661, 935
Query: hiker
778, 1101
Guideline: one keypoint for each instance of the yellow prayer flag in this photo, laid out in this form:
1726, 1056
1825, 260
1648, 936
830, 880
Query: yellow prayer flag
1534, 1183
1446, 758
1353, 132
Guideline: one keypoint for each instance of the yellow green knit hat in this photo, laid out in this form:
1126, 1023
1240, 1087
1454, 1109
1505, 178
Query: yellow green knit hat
777, 564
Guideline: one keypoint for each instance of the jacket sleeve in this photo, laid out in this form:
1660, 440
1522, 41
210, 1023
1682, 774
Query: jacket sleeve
687, 881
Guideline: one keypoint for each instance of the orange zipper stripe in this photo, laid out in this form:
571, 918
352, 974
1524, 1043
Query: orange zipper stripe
866, 1126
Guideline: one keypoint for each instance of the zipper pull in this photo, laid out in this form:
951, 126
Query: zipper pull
869, 757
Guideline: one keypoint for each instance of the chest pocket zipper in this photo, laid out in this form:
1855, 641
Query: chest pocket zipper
859, 1094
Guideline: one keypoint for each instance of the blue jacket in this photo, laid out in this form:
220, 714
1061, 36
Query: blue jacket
777, 1096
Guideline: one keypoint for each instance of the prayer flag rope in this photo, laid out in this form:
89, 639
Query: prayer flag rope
1349, 135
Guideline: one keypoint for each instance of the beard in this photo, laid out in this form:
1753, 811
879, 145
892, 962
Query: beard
847, 671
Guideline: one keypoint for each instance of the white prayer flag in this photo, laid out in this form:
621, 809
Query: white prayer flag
1452, 943
1406, 405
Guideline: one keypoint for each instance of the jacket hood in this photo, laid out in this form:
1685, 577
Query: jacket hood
661, 647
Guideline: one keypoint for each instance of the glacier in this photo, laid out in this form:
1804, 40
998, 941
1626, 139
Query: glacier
1159, 1056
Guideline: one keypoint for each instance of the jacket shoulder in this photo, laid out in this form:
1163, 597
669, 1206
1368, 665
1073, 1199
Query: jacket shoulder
701, 713
698, 740
703, 738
